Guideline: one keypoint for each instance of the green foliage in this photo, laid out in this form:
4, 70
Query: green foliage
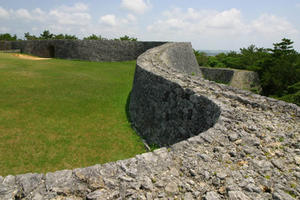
278, 67
126, 38
94, 37
8, 37
280, 71
201, 57
214, 62
30, 37
65, 37
293, 95
46, 35
153, 147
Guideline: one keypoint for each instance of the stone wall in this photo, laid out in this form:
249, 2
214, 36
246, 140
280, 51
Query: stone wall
251, 152
91, 50
162, 111
5, 45
242, 79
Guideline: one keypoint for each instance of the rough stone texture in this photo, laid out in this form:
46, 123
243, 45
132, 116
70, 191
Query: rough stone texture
91, 50
251, 152
242, 79
5, 45
162, 111
181, 58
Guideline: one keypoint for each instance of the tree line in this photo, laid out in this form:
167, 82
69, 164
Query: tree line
277, 67
46, 35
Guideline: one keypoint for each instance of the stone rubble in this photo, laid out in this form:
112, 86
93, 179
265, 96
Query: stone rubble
252, 152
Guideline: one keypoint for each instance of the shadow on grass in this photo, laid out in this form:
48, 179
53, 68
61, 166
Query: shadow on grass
147, 147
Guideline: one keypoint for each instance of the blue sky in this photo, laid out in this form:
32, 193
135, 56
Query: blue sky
208, 24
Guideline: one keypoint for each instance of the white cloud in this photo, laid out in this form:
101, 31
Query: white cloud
71, 15
3, 13
220, 29
226, 20
271, 24
111, 20
136, 6
77, 7
76, 15
4, 29
108, 20
131, 18
23, 14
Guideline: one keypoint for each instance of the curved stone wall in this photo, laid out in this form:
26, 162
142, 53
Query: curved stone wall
251, 152
91, 50
161, 110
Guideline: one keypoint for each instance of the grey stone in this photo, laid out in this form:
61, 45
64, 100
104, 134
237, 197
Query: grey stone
63, 182
30, 182
297, 160
221, 175
9, 180
237, 195
149, 196
90, 175
97, 194
233, 137
171, 188
9, 193
205, 157
252, 188
212, 196
281, 195
147, 183
188, 196
38, 196
278, 163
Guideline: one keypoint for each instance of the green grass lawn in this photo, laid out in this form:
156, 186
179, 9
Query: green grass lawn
60, 114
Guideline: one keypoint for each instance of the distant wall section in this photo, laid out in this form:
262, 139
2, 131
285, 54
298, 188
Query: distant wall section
91, 50
242, 79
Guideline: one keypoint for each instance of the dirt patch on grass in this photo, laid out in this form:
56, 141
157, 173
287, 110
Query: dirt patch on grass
28, 57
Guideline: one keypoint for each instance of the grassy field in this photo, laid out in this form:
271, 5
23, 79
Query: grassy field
59, 114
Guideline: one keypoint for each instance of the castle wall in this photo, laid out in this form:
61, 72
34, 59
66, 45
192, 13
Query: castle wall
161, 110
91, 50
242, 79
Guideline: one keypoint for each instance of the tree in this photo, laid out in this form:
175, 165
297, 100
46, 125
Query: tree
283, 48
280, 70
214, 62
94, 37
127, 38
8, 37
46, 35
70, 37
30, 37
201, 57
65, 37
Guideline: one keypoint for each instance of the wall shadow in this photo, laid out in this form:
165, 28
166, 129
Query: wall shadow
164, 113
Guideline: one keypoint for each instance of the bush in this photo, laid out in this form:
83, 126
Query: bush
8, 37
